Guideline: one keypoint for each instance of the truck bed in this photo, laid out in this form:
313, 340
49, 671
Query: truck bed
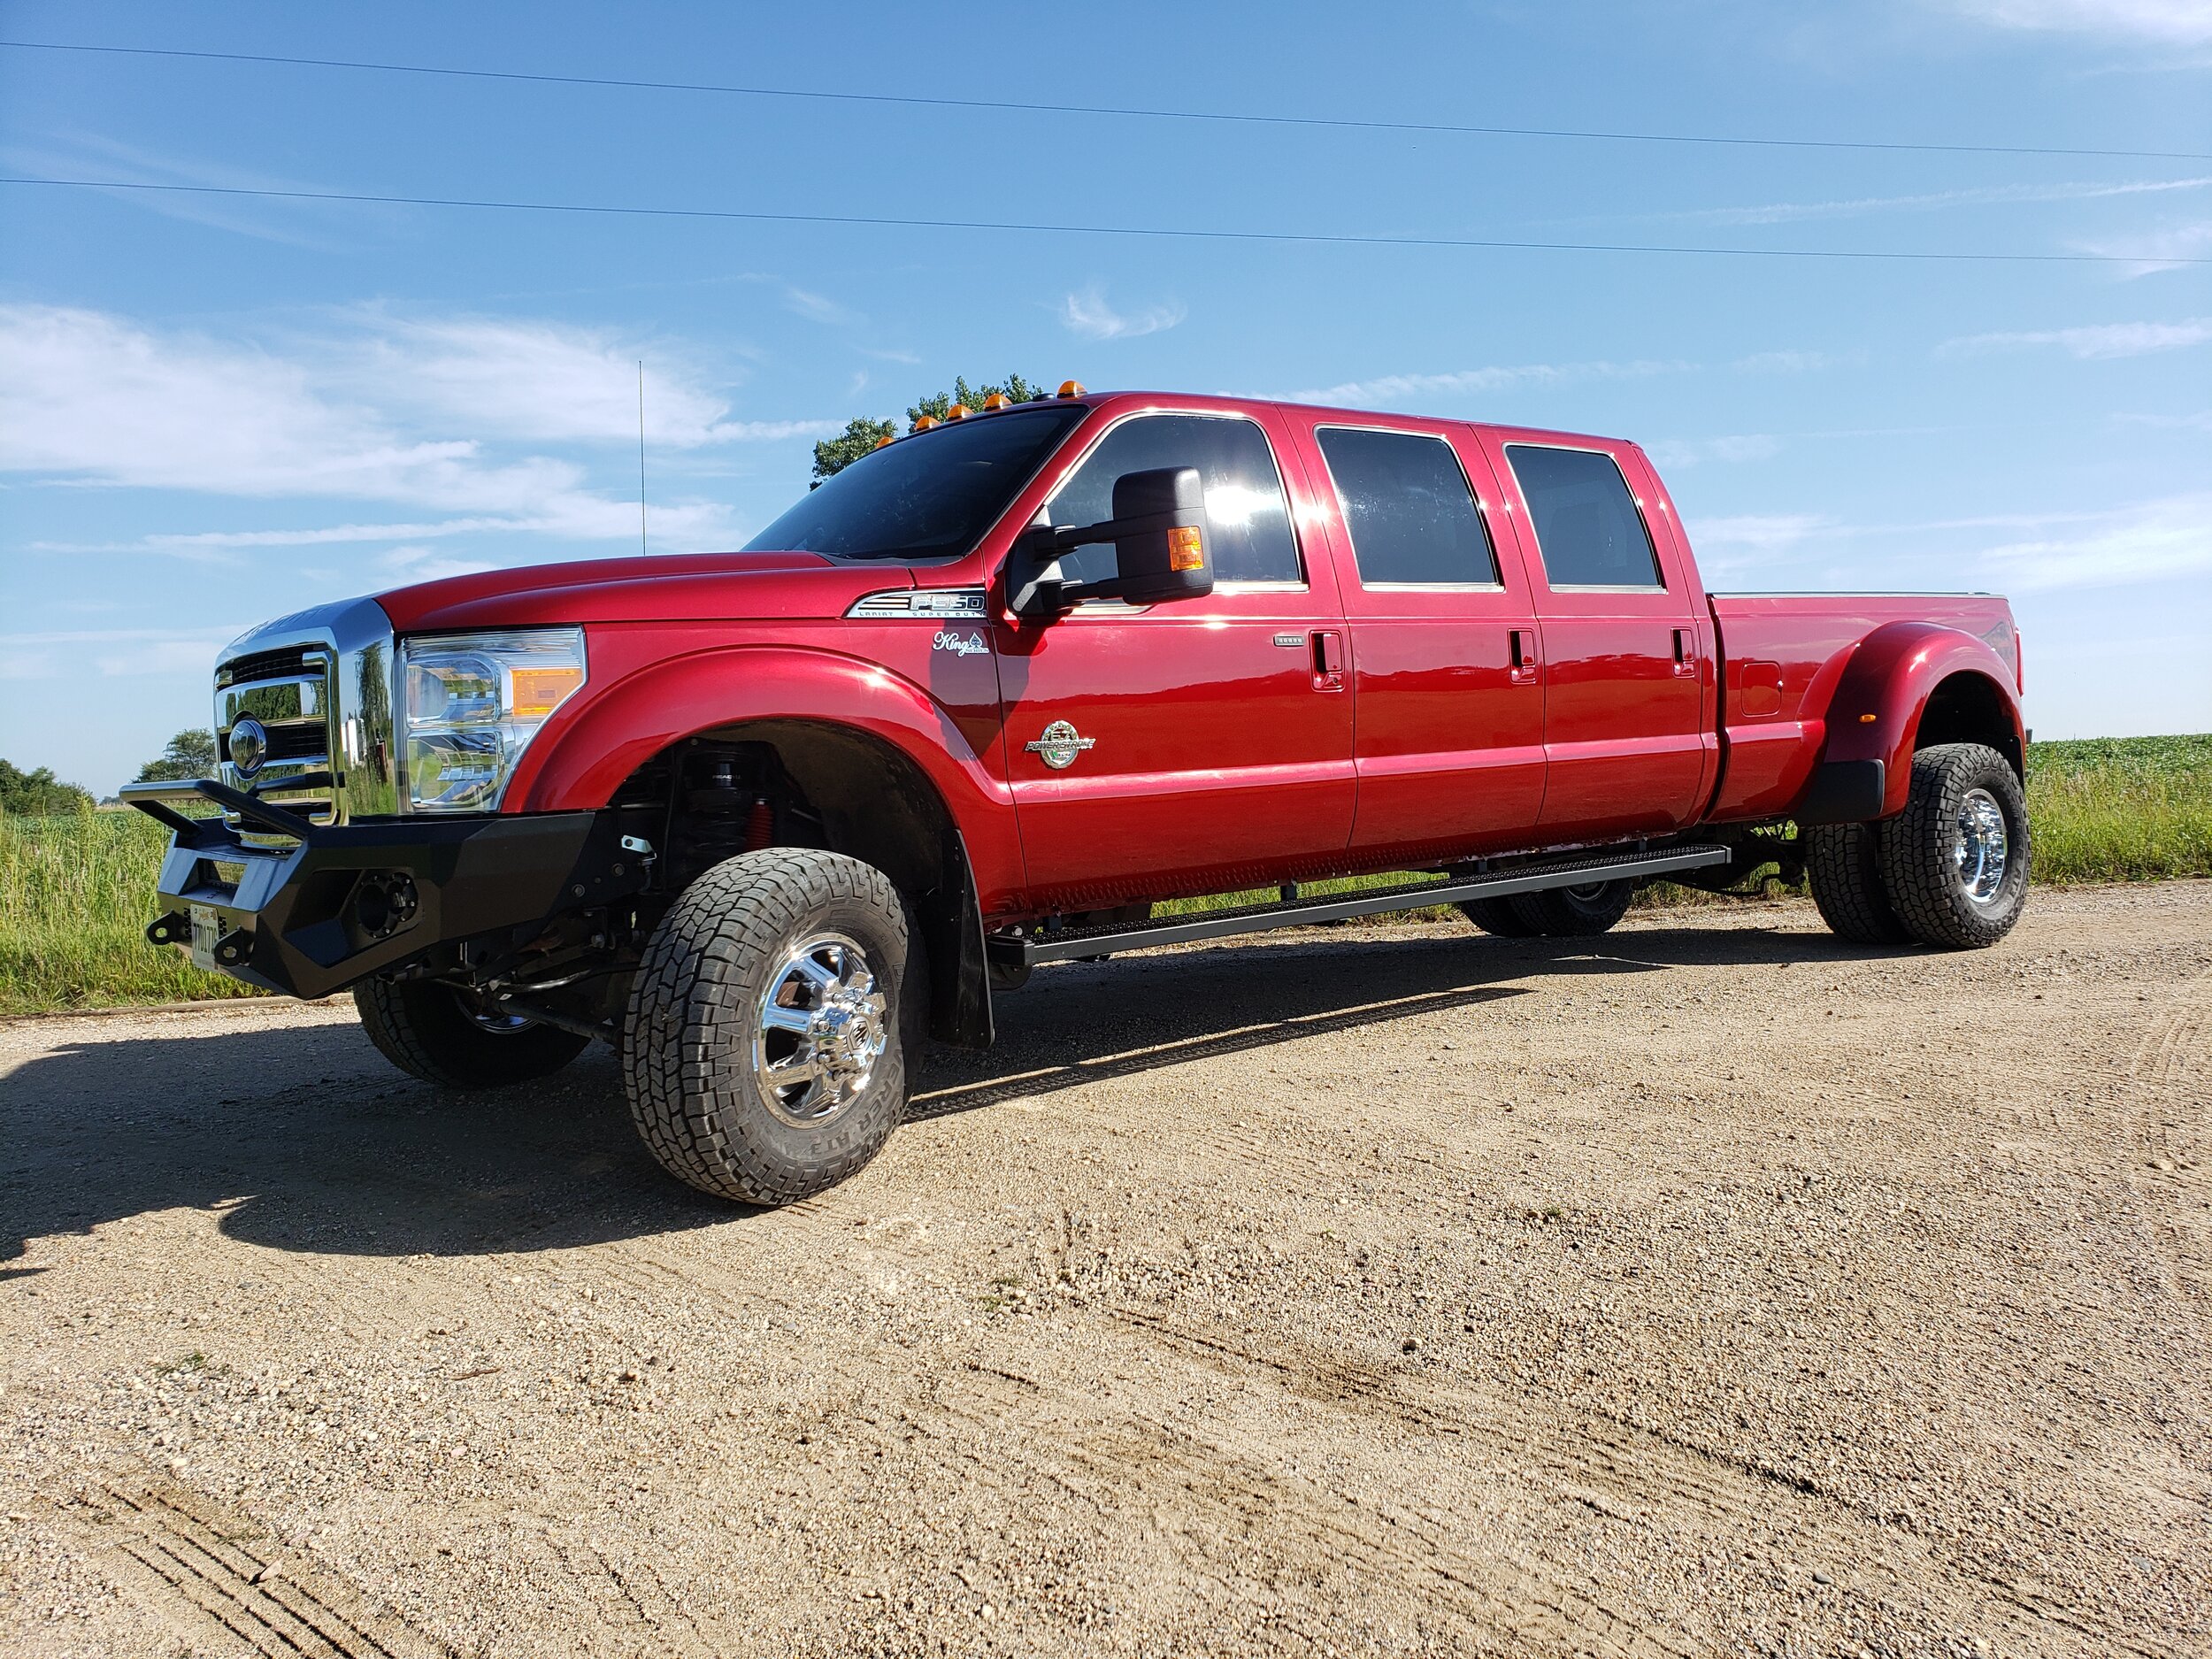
1781, 656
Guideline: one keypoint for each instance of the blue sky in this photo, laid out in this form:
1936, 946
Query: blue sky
217, 410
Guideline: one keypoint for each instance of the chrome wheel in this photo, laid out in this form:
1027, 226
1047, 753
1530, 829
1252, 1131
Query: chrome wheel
1980, 846
822, 1027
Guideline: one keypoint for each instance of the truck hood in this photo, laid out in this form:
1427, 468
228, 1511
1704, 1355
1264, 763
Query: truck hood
689, 587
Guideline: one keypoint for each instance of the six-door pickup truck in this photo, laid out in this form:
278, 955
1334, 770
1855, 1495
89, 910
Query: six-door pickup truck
765, 820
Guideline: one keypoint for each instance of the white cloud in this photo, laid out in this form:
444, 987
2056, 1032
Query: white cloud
94, 397
1675, 453
1783, 212
2093, 341
1389, 387
407, 412
2168, 249
424, 564
1785, 362
1761, 533
327, 227
2177, 22
2153, 542
771, 431
535, 382
116, 653
818, 308
2201, 422
1088, 314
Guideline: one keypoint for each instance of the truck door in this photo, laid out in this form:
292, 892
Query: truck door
1446, 656
1628, 656
1192, 746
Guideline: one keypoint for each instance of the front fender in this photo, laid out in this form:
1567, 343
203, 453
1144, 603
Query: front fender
581, 761
1884, 690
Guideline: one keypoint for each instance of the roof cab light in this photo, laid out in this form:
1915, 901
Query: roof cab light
1071, 388
958, 412
923, 422
996, 401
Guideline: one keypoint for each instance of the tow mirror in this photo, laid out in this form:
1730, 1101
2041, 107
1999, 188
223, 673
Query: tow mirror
1158, 533
1159, 523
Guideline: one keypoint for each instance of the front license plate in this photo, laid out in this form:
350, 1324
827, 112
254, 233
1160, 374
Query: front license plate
207, 927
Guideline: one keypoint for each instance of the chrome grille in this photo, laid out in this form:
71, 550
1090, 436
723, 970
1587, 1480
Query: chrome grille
287, 663
319, 683
287, 693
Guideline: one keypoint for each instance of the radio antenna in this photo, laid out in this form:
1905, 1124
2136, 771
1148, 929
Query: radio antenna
641, 457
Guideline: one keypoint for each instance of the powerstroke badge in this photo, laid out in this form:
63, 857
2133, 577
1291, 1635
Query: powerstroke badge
1059, 746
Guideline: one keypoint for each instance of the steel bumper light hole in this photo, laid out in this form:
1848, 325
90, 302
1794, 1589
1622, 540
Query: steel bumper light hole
384, 904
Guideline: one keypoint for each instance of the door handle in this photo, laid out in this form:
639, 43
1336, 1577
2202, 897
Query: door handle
1523, 656
1328, 660
1684, 653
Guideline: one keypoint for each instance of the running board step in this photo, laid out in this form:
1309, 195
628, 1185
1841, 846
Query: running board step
1107, 937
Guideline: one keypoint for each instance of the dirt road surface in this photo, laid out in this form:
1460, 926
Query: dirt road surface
1711, 1287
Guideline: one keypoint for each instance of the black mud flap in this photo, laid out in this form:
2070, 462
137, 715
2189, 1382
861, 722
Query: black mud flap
952, 926
1844, 792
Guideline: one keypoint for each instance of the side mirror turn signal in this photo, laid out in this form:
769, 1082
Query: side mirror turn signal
1158, 533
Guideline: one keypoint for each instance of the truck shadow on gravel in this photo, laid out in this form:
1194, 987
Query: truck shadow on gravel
303, 1139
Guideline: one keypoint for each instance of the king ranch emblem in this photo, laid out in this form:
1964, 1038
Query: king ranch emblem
1059, 746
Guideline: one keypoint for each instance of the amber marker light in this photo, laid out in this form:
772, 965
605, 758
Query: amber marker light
958, 412
1869, 720
1184, 552
923, 422
538, 691
1071, 388
886, 438
996, 401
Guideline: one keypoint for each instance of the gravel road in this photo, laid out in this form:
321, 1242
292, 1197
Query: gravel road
1711, 1287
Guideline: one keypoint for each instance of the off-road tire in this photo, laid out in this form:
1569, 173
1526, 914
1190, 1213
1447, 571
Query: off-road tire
688, 1066
1843, 867
1919, 860
1564, 913
425, 1030
1497, 916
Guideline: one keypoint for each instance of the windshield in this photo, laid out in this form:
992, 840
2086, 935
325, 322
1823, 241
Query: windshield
932, 496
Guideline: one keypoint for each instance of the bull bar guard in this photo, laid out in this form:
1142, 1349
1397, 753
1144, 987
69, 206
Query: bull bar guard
345, 901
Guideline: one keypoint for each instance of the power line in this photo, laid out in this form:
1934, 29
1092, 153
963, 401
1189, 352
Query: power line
1136, 111
1167, 232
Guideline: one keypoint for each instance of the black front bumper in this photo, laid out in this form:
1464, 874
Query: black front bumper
352, 900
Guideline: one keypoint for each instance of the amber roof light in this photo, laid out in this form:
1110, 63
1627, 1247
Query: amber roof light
996, 400
1071, 388
923, 422
958, 412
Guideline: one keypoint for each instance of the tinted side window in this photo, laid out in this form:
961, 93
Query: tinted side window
1247, 520
1587, 527
1409, 509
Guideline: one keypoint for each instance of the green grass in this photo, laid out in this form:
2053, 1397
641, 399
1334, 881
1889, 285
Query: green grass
2121, 809
76, 891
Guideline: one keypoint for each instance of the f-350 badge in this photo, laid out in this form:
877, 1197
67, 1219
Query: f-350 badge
1059, 746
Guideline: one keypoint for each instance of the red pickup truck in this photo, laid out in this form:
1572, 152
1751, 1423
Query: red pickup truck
765, 820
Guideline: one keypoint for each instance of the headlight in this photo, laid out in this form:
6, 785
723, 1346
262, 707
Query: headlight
472, 703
